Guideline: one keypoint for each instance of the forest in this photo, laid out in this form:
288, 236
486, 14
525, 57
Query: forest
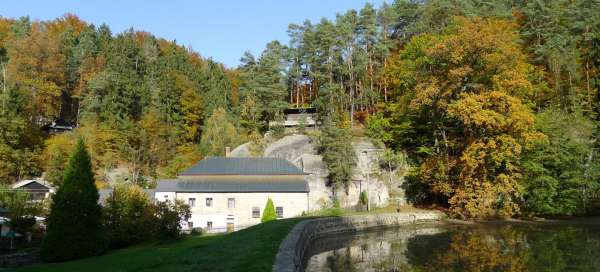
495, 103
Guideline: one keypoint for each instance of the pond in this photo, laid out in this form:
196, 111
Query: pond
481, 247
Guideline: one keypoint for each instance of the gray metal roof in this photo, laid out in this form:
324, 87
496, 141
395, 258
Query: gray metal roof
235, 184
242, 166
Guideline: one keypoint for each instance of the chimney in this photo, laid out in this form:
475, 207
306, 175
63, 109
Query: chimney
227, 151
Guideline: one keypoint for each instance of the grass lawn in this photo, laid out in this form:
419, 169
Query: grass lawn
251, 249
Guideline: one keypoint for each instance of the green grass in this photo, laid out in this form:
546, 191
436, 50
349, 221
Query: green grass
251, 249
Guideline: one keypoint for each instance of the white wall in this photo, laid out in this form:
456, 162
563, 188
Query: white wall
241, 215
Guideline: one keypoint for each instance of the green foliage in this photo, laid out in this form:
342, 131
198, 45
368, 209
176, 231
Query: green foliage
218, 133
269, 212
277, 129
128, 216
75, 221
131, 218
561, 175
144, 102
135, 97
19, 153
263, 88
168, 217
21, 211
363, 199
338, 155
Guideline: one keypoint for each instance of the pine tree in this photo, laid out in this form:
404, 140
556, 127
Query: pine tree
269, 212
75, 221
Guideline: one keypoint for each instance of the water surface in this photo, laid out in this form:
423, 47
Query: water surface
489, 247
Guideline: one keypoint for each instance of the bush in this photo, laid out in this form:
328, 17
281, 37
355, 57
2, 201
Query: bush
364, 198
75, 221
269, 212
168, 217
277, 130
127, 215
21, 211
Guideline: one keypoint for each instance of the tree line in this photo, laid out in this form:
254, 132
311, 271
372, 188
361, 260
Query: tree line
495, 102
137, 99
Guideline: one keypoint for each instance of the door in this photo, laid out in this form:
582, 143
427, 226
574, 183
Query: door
230, 227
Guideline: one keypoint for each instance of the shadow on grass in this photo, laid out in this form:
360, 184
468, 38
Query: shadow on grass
251, 249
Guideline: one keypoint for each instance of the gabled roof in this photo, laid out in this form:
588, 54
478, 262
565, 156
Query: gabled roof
25, 182
242, 166
235, 184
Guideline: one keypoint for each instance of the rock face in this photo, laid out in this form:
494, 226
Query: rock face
290, 147
242, 151
368, 176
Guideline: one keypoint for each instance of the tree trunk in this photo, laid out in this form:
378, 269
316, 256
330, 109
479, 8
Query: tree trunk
587, 79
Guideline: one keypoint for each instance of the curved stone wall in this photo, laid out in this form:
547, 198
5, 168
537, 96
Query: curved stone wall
293, 248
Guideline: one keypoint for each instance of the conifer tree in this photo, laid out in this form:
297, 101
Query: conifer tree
75, 223
269, 212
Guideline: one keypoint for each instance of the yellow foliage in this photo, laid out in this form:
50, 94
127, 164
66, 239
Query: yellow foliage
470, 82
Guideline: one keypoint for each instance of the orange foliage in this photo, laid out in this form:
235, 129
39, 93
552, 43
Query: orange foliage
470, 81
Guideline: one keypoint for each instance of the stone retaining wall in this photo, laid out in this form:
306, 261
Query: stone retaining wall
293, 248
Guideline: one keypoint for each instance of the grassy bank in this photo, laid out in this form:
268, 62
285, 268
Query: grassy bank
251, 249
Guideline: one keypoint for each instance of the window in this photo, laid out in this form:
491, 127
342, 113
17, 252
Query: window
192, 201
190, 225
208, 224
208, 201
231, 203
255, 212
279, 212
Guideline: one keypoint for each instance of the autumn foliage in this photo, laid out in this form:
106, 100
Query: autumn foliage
471, 85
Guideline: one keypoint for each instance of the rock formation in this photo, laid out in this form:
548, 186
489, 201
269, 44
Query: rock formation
301, 150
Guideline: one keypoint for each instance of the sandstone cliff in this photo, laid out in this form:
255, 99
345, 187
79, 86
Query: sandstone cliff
301, 150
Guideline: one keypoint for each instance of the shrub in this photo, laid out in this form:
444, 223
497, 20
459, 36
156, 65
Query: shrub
269, 212
127, 215
168, 217
21, 211
364, 198
75, 221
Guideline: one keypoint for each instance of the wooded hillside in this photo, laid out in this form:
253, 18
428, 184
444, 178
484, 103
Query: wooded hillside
495, 102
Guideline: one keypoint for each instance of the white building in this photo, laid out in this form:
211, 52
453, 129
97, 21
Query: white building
231, 193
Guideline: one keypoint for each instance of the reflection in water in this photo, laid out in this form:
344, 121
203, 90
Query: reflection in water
461, 248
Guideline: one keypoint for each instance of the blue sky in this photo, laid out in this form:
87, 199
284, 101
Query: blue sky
219, 29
